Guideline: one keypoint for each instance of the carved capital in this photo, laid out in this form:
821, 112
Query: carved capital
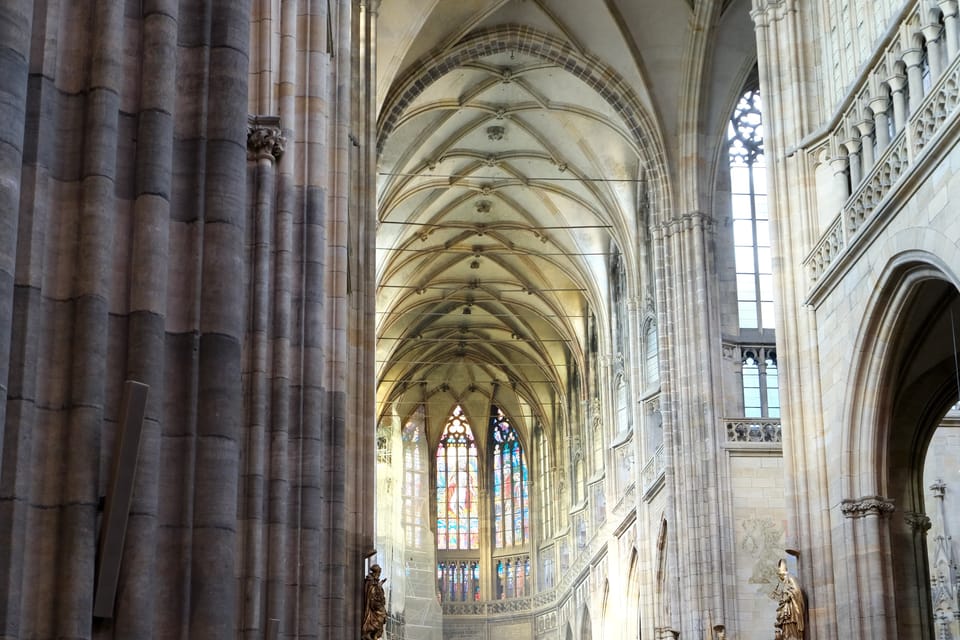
265, 140
948, 7
919, 522
912, 57
866, 506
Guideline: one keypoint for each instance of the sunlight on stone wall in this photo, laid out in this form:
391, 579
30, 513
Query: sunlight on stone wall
759, 516
405, 543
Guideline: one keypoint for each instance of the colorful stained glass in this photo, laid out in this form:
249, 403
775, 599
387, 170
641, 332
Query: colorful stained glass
458, 581
457, 481
511, 505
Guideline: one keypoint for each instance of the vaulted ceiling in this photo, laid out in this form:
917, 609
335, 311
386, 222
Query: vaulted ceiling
520, 145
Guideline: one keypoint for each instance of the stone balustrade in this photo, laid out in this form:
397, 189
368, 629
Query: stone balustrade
899, 106
766, 431
653, 470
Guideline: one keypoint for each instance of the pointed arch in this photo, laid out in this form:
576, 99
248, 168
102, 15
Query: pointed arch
458, 513
586, 624
903, 379
510, 483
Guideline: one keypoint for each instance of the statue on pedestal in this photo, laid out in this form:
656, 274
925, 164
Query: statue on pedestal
791, 607
374, 605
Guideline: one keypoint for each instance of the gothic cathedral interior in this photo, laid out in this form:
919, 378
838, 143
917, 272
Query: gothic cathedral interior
479, 319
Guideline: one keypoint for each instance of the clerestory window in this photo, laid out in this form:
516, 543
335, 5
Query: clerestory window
751, 225
761, 391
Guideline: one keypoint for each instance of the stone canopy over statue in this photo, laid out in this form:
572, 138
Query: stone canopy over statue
374, 605
791, 606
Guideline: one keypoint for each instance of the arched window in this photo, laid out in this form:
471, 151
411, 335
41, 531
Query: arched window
461, 541
651, 357
761, 393
543, 485
511, 502
458, 521
413, 472
751, 226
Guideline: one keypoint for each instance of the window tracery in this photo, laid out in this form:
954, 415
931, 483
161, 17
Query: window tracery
751, 226
458, 518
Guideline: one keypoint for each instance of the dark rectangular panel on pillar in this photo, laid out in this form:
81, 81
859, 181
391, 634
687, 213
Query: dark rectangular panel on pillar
113, 530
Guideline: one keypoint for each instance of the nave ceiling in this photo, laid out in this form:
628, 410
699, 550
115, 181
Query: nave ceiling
521, 148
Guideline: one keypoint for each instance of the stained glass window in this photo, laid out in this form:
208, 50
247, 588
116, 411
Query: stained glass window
458, 581
458, 523
513, 577
511, 503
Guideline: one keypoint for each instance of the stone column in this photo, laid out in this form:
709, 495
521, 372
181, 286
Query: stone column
854, 165
840, 184
913, 58
16, 21
932, 34
866, 129
281, 528
879, 106
15, 28
221, 314
265, 144
949, 9
866, 522
93, 263
897, 84
149, 269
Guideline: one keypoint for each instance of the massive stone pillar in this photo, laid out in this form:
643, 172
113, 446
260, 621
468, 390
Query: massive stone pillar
185, 209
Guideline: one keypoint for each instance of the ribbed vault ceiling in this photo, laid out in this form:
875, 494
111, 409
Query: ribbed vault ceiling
506, 184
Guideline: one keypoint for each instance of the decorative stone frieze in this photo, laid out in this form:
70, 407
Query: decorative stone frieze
758, 430
265, 139
866, 506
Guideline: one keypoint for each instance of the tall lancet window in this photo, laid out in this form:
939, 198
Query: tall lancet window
751, 225
413, 479
511, 511
458, 521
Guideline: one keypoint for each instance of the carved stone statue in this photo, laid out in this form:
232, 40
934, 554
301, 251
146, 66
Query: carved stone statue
374, 605
791, 606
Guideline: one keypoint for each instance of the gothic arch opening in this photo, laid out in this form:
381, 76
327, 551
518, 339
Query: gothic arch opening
586, 626
908, 382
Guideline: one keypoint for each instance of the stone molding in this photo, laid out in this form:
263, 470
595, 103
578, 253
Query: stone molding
866, 506
265, 139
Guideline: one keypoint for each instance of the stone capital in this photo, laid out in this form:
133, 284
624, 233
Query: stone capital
919, 522
865, 127
265, 140
897, 82
948, 7
852, 144
878, 104
764, 12
932, 32
912, 57
866, 506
